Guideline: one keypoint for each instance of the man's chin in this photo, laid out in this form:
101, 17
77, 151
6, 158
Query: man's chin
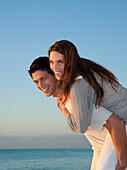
47, 95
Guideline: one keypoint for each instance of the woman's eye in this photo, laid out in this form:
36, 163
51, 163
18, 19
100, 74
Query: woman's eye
61, 61
51, 62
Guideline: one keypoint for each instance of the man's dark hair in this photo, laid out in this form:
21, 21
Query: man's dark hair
41, 63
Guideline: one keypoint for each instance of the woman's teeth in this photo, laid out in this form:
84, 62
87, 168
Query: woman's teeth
57, 73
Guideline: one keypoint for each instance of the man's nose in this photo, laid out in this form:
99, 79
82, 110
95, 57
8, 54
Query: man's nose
41, 84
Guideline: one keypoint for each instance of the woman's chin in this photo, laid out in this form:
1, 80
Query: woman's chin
58, 77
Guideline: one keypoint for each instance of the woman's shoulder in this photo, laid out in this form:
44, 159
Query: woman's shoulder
79, 82
82, 89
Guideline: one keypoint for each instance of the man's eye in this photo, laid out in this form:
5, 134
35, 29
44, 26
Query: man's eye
35, 82
43, 78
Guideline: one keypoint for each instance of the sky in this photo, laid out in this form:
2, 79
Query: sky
28, 28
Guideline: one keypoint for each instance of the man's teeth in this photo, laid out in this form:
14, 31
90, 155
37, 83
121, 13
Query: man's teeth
45, 89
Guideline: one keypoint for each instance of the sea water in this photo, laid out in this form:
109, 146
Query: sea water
45, 159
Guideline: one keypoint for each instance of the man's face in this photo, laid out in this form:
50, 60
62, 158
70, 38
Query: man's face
45, 82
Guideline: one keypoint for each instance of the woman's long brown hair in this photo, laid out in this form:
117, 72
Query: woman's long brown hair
74, 65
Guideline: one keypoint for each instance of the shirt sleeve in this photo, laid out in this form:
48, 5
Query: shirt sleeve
82, 97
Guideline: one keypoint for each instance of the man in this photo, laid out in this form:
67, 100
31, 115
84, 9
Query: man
43, 76
44, 79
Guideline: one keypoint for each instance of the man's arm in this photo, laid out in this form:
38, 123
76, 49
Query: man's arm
72, 124
116, 128
62, 107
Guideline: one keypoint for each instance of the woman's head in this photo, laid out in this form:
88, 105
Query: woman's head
63, 58
67, 65
57, 64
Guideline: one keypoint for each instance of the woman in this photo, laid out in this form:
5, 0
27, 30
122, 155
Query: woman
98, 87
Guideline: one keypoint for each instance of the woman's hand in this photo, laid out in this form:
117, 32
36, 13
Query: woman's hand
120, 167
62, 107
116, 128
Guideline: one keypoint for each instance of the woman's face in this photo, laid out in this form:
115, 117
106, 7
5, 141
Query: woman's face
56, 61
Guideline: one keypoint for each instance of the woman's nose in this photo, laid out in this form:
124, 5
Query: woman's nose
56, 67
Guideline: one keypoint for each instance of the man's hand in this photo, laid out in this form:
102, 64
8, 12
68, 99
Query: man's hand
60, 104
62, 107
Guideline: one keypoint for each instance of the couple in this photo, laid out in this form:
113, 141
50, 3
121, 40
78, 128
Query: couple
91, 99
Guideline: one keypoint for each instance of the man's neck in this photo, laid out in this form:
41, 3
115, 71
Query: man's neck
57, 93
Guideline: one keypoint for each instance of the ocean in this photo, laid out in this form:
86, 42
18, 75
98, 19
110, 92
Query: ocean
45, 159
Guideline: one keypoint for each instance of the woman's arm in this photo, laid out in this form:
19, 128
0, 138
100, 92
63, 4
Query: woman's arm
70, 119
116, 128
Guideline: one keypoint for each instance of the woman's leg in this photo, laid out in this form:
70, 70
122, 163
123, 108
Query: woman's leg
95, 159
108, 156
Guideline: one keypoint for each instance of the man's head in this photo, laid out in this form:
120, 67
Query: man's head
43, 76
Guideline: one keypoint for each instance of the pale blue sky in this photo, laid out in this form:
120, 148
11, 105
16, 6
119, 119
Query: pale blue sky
27, 29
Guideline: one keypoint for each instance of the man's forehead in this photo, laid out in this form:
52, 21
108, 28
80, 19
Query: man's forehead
40, 73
